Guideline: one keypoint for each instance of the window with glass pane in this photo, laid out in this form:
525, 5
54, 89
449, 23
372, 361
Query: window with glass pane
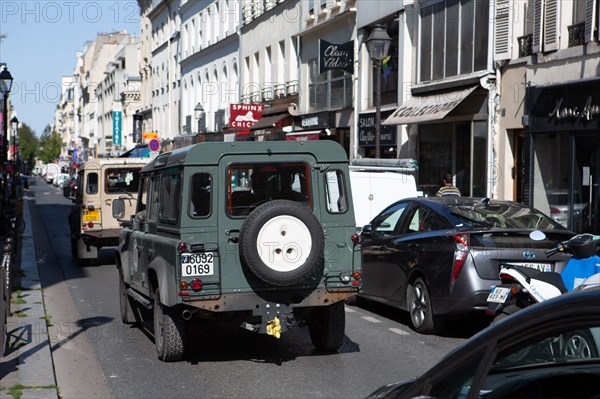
328, 90
200, 195
92, 183
335, 192
170, 199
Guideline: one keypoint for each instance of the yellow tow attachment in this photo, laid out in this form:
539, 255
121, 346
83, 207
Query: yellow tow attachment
274, 328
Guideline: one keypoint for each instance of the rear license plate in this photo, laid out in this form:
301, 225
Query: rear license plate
542, 267
498, 294
91, 216
197, 264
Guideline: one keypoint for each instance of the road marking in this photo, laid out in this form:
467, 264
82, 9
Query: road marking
348, 310
371, 319
399, 331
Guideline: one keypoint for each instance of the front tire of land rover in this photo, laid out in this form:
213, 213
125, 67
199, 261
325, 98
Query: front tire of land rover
169, 332
282, 243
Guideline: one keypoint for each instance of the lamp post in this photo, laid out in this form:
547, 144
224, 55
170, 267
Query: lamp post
6, 81
14, 124
198, 112
378, 45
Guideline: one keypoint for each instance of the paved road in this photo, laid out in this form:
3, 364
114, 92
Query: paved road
97, 356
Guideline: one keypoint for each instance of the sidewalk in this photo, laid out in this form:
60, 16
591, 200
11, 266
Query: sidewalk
27, 370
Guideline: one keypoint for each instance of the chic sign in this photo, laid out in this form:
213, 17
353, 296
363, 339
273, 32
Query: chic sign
336, 56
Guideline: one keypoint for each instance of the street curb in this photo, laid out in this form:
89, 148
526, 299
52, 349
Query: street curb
35, 358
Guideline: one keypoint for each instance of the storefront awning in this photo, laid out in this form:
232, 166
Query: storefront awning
268, 122
428, 108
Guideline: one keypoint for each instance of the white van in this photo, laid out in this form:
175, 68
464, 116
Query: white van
378, 183
52, 171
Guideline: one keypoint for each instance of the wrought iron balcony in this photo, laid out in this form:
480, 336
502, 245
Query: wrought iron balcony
576, 34
525, 45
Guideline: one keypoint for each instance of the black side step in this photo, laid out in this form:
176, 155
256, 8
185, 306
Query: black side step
139, 298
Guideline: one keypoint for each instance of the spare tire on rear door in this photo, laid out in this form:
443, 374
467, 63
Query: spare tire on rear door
282, 243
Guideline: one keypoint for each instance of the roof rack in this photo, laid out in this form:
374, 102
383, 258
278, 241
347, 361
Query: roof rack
387, 164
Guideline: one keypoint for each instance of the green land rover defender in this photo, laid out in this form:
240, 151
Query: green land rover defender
258, 234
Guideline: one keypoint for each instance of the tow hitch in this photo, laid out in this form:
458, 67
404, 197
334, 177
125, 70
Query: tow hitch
275, 319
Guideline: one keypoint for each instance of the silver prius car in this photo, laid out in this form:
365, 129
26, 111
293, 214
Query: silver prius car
439, 256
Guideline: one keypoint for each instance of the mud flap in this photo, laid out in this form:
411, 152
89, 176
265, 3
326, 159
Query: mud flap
86, 252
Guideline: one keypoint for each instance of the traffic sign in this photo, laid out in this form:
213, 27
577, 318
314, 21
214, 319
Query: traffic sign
154, 145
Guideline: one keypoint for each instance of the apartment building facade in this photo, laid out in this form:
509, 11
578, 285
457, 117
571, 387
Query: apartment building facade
549, 114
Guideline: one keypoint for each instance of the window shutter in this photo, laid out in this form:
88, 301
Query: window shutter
537, 25
550, 25
502, 42
589, 20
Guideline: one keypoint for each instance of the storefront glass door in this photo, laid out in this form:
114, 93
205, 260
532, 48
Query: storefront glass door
586, 172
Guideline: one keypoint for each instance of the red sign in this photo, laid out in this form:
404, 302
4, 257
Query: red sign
154, 145
243, 116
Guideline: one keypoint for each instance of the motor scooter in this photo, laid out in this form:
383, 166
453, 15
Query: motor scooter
521, 286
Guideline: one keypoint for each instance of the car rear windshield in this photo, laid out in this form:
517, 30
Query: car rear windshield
122, 179
503, 216
250, 185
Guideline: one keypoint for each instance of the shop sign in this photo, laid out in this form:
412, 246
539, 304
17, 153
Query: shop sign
117, 121
243, 116
311, 121
588, 112
366, 130
149, 135
336, 56
574, 106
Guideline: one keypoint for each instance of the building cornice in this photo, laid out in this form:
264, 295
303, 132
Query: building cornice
207, 50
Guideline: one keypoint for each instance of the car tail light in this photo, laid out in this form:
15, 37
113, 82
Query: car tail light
505, 277
90, 224
460, 254
182, 246
196, 284
355, 238
554, 210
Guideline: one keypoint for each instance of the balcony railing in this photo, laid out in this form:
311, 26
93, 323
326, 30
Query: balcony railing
246, 99
279, 90
267, 94
291, 87
576, 34
525, 45
255, 97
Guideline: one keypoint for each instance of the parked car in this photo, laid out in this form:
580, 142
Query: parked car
559, 208
545, 351
439, 256
69, 186
60, 179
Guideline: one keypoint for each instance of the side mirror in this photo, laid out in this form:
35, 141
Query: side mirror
367, 230
118, 208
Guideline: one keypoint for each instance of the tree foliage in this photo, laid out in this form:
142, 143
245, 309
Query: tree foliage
29, 144
50, 145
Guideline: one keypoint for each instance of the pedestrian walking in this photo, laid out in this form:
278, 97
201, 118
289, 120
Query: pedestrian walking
448, 189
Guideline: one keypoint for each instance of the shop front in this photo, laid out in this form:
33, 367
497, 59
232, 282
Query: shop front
449, 129
366, 136
563, 124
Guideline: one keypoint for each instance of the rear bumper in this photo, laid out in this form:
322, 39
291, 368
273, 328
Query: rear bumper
102, 238
473, 303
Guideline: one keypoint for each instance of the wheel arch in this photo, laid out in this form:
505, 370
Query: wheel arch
161, 276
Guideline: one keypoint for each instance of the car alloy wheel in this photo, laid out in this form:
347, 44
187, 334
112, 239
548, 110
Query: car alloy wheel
580, 345
419, 307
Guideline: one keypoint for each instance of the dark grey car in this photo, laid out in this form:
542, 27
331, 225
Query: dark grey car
439, 256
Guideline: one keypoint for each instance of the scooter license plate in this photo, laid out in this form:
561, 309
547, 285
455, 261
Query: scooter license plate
498, 294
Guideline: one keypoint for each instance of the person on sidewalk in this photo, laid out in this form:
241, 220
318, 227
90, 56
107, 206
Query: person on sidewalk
448, 189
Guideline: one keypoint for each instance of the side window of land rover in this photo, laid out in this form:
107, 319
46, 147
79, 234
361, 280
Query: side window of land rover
170, 199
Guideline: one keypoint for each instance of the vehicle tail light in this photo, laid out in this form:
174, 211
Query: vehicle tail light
460, 254
355, 238
90, 224
196, 284
554, 210
506, 277
182, 246
183, 285
357, 275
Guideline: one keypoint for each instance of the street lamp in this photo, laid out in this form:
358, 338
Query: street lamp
6, 81
14, 124
198, 112
378, 45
